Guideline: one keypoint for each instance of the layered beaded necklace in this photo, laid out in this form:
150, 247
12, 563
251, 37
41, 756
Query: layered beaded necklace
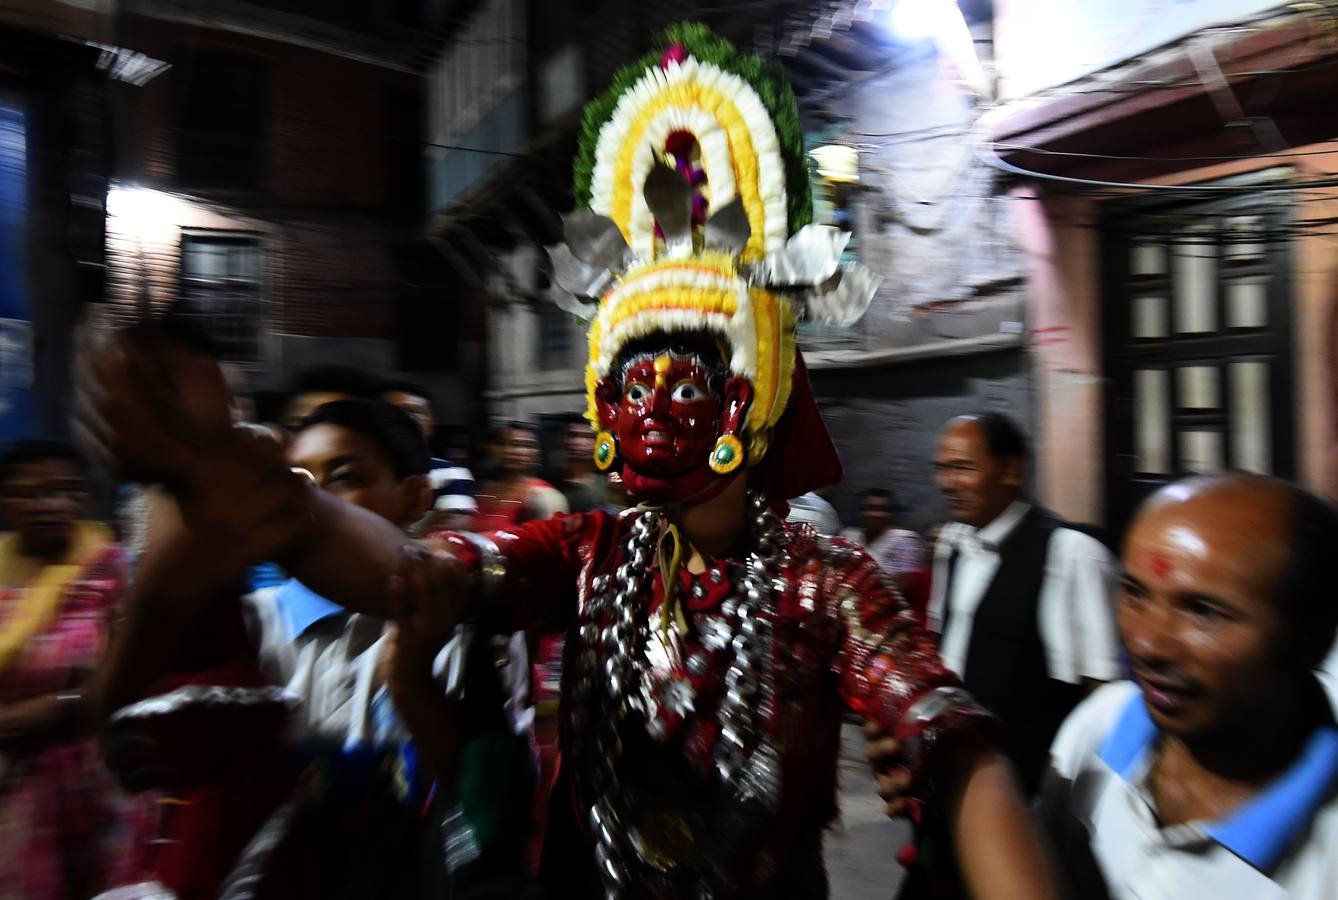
617, 683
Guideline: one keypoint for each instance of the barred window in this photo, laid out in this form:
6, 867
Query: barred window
1198, 338
555, 336
220, 289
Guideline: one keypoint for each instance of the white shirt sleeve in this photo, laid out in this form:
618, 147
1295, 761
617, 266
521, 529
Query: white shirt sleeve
545, 502
1087, 727
1077, 609
269, 635
449, 665
1074, 747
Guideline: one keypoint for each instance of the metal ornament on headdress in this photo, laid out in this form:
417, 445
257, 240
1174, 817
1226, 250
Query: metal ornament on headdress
727, 231
691, 225
669, 198
578, 283
809, 258
596, 240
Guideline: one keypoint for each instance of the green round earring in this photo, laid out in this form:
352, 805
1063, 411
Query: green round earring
727, 455
606, 451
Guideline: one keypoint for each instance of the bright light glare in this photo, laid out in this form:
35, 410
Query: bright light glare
142, 212
913, 21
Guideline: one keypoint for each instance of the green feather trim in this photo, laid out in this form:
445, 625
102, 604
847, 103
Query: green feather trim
766, 77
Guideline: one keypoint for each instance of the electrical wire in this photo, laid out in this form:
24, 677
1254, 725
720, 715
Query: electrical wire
1116, 157
988, 155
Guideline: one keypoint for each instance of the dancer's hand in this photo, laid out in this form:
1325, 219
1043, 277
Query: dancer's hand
245, 499
150, 407
426, 598
885, 755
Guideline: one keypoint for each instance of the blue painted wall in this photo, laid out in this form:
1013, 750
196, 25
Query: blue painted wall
16, 397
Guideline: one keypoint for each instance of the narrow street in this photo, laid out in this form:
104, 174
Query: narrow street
862, 845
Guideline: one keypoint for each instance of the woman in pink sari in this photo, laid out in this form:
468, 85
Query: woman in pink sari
64, 827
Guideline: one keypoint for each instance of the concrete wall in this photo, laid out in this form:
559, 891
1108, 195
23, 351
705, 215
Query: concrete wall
519, 384
1064, 270
886, 422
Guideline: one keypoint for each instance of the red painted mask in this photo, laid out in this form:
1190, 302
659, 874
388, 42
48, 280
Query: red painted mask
667, 418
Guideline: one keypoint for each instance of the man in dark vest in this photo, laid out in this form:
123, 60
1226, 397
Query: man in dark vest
1022, 600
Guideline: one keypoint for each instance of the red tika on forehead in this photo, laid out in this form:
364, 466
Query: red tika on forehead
1161, 566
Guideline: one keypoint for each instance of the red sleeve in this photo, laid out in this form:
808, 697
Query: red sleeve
915, 586
888, 666
542, 563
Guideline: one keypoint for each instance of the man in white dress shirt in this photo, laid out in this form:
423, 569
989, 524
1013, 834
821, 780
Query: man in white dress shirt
1021, 599
372, 455
1214, 774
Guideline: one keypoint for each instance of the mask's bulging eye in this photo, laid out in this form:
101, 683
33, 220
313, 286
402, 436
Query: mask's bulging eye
687, 392
637, 393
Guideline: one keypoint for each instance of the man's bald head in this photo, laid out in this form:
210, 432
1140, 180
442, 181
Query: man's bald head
980, 466
1226, 600
1267, 532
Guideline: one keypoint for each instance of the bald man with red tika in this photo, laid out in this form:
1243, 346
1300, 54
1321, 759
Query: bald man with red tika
1214, 773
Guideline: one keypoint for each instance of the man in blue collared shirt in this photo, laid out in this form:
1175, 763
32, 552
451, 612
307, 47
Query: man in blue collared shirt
1215, 773
372, 455
332, 661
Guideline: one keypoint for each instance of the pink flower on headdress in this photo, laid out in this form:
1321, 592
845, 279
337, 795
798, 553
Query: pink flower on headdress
675, 53
680, 142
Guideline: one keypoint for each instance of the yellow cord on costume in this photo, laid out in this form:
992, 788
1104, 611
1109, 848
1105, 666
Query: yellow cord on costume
669, 578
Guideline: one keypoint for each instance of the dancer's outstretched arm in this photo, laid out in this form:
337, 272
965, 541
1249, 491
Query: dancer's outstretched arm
157, 412
927, 729
1001, 852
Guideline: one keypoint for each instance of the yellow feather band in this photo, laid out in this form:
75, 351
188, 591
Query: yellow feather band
701, 99
702, 294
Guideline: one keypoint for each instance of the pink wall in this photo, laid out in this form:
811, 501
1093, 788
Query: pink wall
1064, 320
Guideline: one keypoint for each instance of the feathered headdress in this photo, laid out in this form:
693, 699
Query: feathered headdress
692, 168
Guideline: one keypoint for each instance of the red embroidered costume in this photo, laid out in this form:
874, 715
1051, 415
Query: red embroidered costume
839, 636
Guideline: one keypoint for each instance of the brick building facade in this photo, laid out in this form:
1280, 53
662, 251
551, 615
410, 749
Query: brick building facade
271, 187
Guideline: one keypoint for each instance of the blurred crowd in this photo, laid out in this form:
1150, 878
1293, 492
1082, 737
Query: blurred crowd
1166, 710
